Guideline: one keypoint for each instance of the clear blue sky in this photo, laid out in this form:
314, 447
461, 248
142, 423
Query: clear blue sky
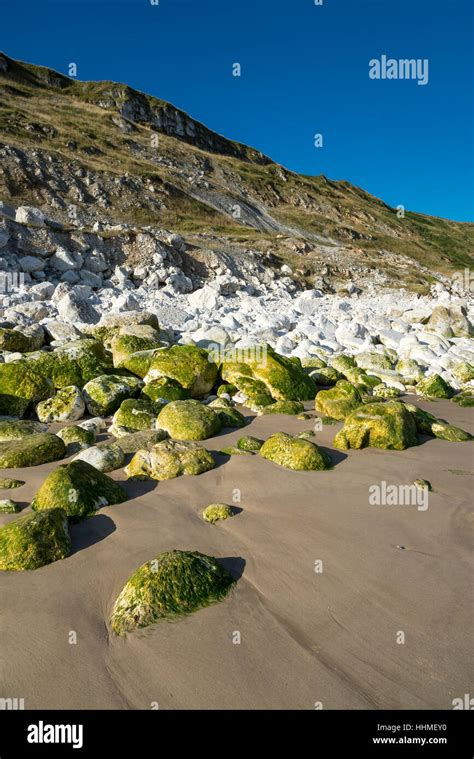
304, 71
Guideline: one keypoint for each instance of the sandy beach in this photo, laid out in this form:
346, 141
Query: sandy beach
308, 639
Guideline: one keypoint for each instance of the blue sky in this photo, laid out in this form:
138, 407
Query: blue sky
304, 71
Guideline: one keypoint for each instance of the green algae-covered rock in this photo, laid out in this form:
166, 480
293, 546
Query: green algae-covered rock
139, 363
14, 341
34, 540
217, 511
283, 407
76, 438
103, 395
384, 391
427, 424
463, 372
134, 414
104, 457
464, 399
325, 376
164, 389
8, 483
294, 453
31, 451
226, 389
137, 440
192, 367
282, 377
21, 387
79, 489
7, 506
188, 420
362, 381
14, 429
410, 370
449, 432
379, 425
422, 485
230, 417
232, 450
255, 391
169, 459
66, 406
339, 401
434, 387
173, 584
312, 362
74, 363
124, 346
373, 361
249, 443
342, 363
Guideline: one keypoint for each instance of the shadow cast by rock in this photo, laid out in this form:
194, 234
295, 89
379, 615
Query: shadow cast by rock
235, 565
90, 531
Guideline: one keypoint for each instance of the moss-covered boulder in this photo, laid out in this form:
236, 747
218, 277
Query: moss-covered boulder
7, 506
31, 451
255, 392
342, 363
137, 440
188, 420
9, 483
464, 399
230, 417
21, 387
104, 395
282, 377
78, 488
292, 408
384, 391
249, 443
165, 389
326, 376
379, 425
14, 429
192, 367
410, 370
14, 341
216, 512
169, 459
362, 381
463, 372
312, 362
428, 424
173, 584
338, 401
104, 457
226, 389
294, 453
232, 450
124, 346
74, 363
134, 414
34, 540
373, 361
449, 432
423, 485
76, 438
434, 387
66, 406
139, 363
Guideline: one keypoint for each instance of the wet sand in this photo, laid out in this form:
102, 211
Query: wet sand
306, 637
